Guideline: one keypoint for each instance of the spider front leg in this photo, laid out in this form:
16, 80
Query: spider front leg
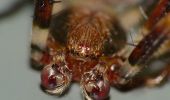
43, 12
152, 42
145, 50
40, 32
158, 35
161, 9
157, 39
158, 79
153, 79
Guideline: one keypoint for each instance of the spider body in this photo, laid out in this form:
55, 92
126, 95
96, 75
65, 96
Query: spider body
87, 44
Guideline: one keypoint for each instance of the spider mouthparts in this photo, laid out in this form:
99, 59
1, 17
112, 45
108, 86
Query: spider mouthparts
55, 78
94, 85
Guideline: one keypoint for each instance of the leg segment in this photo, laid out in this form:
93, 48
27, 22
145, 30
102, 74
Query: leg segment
40, 54
149, 80
43, 12
115, 74
145, 50
151, 43
124, 77
161, 9
159, 78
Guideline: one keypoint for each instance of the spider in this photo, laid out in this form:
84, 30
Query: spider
85, 42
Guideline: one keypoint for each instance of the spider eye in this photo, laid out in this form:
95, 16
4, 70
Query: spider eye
55, 78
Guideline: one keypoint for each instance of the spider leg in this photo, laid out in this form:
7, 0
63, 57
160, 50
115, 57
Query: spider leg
43, 12
149, 80
143, 54
151, 43
158, 31
147, 47
159, 78
41, 37
140, 56
161, 9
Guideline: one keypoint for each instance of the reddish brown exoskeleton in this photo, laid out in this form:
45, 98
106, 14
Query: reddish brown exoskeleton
88, 44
